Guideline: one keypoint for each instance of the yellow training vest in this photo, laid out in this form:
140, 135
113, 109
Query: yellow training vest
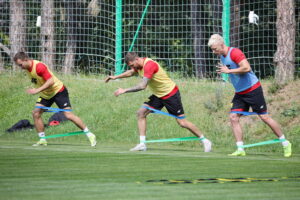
39, 81
160, 84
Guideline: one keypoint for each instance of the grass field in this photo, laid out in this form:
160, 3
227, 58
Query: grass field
73, 171
68, 168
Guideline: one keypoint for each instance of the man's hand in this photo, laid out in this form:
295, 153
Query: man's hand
119, 92
32, 91
109, 78
223, 69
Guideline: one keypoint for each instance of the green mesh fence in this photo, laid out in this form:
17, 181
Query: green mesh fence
79, 36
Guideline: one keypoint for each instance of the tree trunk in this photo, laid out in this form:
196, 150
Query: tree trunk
284, 57
47, 32
217, 8
69, 63
235, 23
17, 28
198, 39
1, 63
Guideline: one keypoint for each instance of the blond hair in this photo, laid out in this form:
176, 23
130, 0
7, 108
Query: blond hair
215, 39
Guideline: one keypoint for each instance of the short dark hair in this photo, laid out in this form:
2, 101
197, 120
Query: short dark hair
130, 56
21, 55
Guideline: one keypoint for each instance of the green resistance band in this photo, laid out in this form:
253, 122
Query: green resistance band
64, 134
263, 143
174, 139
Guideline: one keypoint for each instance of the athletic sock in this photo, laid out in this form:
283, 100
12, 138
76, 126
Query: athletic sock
203, 139
41, 134
87, 132
285, 143
239, 144
142, 139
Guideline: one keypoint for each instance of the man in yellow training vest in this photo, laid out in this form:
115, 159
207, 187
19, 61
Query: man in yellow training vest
165, 94
51, 90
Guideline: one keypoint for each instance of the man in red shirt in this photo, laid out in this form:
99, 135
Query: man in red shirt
165, 94
51, 90
248, 93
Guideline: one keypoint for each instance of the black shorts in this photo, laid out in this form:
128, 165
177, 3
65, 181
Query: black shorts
254, 99
61, 99
173, 104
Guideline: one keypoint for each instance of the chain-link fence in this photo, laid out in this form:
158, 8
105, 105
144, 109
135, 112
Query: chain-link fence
80, 35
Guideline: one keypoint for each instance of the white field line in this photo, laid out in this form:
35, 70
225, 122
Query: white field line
149, 152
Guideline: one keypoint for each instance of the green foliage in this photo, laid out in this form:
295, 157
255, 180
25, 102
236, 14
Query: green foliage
291, 112
274, 88
76, 172
4, 38
173, 32
113, 119
215, 104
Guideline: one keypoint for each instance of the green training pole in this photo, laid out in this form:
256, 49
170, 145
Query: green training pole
226, 28
174, 139
118, 51
263, 143
64, 134
138, 29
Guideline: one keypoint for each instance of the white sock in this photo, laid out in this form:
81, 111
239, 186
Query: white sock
285, 143
142, 139
41, 134
87, 132
86, 129
238, 144
203, 139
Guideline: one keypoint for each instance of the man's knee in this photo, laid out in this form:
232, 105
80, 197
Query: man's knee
36, 114
265, 117
234, 118
141, 114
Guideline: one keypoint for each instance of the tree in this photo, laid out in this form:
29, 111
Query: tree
216, 9
4, 39
71, 23
198, 38
235, 23
17, 28
286, 37
47, 32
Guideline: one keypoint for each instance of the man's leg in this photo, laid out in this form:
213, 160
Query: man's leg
236, 127
258, 104
184, 123
174, 106
37, 118
75, 119
63, 102
39, 125
287, 146
272, 124
142, 121
79, 123
142, 124
238, 134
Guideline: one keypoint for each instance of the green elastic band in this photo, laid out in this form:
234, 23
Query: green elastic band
175, 139
263, 143
64, 134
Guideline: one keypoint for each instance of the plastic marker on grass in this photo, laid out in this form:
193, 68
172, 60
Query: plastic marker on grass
50, 109
175, 139
162, 113
64, 134
263, 143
